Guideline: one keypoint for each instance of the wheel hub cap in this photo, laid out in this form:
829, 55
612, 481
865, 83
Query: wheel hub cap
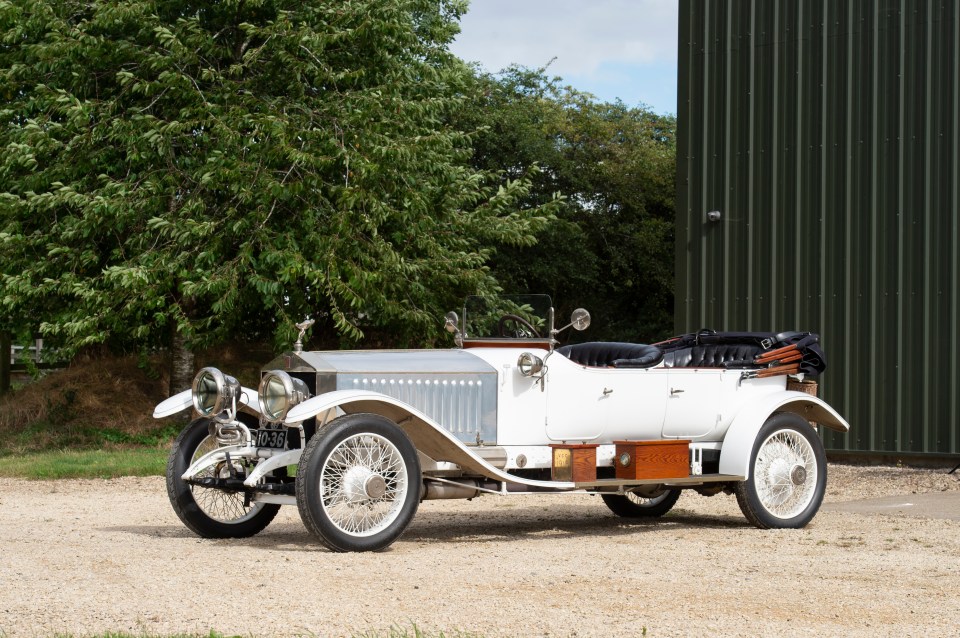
375, 486
355, 483
799, 475
780, 473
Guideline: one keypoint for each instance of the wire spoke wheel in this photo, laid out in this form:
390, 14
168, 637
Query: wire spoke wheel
209, 511
646, 501
358, 483
363, 484
219, 505
648, 504
788, 474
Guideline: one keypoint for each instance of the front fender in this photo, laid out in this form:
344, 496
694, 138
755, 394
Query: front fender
428, 436
183, 400
742, 433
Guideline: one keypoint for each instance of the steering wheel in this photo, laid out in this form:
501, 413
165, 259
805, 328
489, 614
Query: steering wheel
521, 327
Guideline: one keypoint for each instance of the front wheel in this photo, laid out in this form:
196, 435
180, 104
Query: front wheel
358, 483
208, 511
788, 474
636, 505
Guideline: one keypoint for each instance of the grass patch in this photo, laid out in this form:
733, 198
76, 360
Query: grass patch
43, 436
86, 464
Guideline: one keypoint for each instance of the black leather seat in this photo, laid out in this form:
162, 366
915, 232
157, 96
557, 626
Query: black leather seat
603, 354
721, 355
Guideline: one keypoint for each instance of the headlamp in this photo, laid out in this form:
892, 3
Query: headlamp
214, 392
279, 392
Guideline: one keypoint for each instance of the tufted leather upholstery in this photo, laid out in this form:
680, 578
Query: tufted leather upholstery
619, 355
712, 356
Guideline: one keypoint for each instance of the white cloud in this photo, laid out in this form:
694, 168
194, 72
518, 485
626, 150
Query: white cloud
582, 35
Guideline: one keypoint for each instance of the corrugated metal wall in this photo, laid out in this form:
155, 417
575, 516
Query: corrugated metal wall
827, 133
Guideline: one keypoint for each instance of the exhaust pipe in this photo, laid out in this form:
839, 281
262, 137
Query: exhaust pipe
472, 488
433, 490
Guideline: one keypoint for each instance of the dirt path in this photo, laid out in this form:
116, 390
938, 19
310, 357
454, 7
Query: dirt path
97, 556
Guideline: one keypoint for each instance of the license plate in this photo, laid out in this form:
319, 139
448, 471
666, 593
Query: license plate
271, 438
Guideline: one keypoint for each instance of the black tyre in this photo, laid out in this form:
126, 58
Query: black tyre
633, 505
358, 483
207, 511
788, 474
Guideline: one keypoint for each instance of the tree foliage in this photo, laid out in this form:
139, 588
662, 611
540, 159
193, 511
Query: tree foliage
611, 248
215, 168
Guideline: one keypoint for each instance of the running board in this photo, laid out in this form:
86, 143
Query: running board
688, 481
602, 485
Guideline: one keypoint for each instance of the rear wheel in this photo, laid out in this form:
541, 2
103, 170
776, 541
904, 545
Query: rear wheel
788, 474
207, 511
358, 483
642, 505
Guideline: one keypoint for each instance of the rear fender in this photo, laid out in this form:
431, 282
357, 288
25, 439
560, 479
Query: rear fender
742, 433
429, 437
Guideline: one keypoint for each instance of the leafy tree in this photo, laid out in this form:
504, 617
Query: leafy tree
611, 248
176, 171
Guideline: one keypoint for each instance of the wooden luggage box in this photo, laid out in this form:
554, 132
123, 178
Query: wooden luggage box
661, 459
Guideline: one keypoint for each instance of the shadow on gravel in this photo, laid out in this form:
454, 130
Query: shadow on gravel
478, 527
153, 531
474, 530
284, 532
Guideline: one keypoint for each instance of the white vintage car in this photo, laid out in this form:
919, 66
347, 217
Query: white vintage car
373, 433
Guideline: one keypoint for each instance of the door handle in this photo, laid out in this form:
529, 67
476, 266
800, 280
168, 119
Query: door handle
607, 391
675, 391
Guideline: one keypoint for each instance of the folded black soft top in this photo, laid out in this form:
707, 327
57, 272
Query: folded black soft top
779, 353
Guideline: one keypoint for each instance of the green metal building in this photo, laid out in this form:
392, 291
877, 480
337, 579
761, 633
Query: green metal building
826, 134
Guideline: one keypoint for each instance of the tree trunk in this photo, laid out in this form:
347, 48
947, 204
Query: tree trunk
181, 364
4, 362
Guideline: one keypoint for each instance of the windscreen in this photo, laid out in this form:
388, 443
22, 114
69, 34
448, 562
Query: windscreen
511, 317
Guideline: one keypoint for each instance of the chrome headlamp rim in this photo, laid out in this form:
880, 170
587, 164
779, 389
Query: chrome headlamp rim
529, 364
226, 390
294, 392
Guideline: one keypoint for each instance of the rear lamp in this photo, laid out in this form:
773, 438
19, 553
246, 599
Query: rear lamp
279, 392
214, 392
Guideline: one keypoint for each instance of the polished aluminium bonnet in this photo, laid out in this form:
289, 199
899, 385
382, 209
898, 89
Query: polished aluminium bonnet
455, 388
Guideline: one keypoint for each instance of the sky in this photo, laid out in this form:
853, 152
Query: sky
624, 49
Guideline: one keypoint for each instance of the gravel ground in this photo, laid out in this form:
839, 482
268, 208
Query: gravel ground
93, 556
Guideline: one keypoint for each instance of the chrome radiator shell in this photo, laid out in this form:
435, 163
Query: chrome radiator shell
453, 387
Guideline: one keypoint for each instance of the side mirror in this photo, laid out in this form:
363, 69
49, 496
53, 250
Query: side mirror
580, 319
451, 322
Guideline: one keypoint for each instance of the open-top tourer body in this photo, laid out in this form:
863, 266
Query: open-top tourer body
509, 410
